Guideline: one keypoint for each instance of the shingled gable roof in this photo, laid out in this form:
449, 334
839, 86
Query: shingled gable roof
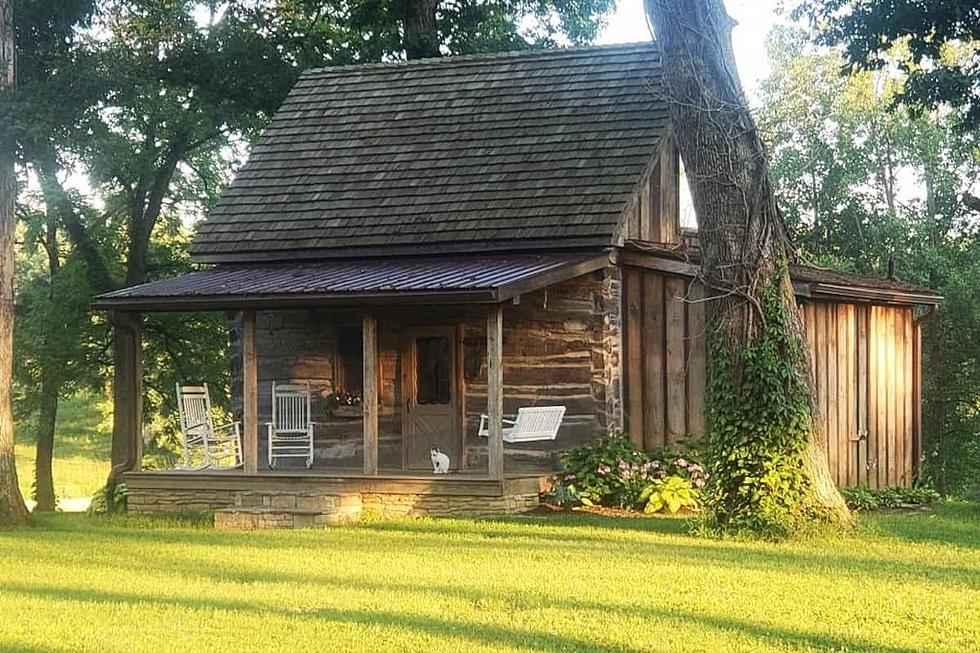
495, 152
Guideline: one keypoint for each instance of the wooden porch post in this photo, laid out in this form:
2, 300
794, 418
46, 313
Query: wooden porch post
369, 402
127, 393
250, 391
495, 390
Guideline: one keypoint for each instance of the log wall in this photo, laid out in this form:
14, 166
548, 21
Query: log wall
862, 359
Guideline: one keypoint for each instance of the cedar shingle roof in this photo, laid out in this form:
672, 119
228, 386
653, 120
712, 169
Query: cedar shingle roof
513, 150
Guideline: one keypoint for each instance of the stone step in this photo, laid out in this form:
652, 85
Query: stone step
265, 518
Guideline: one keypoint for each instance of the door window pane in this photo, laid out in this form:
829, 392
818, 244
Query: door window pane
433, 363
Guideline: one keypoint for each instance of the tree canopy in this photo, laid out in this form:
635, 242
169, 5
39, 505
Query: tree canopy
940, 42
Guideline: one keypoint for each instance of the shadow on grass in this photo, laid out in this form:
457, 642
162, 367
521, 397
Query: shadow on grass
954, 523
479, 633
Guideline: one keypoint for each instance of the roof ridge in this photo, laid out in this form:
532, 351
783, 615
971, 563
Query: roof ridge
480, 57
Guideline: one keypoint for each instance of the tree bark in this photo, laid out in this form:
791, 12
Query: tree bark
745, 247
44, 453
419, 35
12, 508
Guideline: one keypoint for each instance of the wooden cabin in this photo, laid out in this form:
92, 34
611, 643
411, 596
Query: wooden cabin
448, 238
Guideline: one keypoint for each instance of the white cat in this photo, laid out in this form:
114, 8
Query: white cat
440, 461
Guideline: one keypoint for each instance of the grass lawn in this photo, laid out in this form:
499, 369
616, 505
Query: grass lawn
81, 450
903, 582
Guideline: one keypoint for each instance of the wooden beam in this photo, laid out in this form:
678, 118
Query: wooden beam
633, 320
669, 185
495, 390
250, 393
654, 420
369, 331
676, 361
127, 393
916, 399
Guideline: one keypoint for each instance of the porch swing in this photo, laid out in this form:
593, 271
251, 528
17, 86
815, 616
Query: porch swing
533, 423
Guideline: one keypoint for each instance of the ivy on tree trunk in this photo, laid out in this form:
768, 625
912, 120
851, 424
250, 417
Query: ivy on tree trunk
769, 472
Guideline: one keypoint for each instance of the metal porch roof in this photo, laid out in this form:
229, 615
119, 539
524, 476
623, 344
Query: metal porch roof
429, 280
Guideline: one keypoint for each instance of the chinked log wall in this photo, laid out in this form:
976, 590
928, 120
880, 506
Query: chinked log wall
863, 367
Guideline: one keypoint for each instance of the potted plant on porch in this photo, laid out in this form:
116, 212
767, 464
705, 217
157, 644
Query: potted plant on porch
344, 404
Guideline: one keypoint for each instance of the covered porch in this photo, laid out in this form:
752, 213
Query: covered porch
401, 355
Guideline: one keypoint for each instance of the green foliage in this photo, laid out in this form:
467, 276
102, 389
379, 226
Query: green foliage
108, 500
931, 32
759, 416
607, 470
672, 493
567, 495
864, 499
611, 471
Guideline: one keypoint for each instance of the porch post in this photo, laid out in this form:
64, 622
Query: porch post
250, 391
495, 390
369, 402
127, 393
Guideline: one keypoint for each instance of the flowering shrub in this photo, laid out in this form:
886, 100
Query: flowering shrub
611, 471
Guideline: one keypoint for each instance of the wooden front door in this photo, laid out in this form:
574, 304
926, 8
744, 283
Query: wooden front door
432, 399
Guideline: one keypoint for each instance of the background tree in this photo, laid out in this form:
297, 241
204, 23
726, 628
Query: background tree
769, 474
935, 74
12, 508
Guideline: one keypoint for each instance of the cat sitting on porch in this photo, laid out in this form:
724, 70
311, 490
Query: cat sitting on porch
440, 461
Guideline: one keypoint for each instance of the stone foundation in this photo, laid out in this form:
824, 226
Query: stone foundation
312, 506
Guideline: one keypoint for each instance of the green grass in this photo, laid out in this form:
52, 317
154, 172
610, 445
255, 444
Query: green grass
901, 583
81, 450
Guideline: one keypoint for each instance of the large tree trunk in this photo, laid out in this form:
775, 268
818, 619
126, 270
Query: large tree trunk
419, 34
770, 470
12, 508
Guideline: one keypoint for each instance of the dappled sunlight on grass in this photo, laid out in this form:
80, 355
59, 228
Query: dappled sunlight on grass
543, 583
81, 451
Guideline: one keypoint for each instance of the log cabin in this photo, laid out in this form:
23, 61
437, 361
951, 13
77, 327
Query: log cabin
475, 235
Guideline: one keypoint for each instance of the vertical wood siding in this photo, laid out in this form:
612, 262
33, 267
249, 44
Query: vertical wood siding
862, 361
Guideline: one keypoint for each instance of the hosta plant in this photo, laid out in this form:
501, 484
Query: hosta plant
671, 493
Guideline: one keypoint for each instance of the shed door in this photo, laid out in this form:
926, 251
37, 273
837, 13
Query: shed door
432, 401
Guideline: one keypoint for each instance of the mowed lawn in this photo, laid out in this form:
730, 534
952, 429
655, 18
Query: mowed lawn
902, 582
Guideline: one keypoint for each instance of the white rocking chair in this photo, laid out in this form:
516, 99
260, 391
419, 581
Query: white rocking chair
538, 423
204, 444
291, 428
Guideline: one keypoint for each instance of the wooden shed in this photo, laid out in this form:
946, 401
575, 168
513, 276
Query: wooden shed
465, 236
